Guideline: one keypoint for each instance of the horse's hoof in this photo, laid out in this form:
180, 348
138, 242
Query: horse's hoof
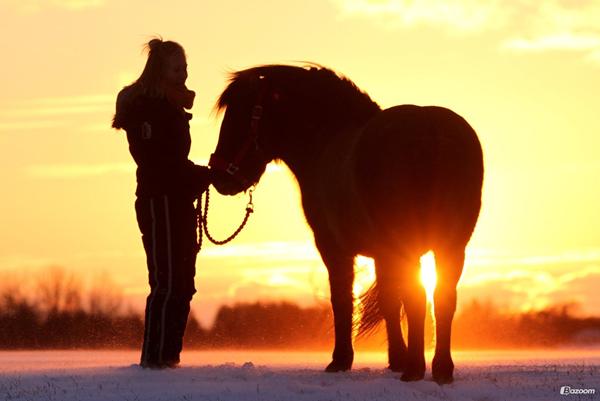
442, 369
414, 372
412, 376
338, 366
443, 379
396, 367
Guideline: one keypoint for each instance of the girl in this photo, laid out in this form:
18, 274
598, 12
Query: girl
151, 111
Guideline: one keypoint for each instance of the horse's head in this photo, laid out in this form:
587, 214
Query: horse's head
243, 150
281, 112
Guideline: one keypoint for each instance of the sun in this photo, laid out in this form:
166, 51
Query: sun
428, 275
365, 275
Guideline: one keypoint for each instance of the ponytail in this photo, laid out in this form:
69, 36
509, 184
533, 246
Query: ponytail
159, 51
154, 44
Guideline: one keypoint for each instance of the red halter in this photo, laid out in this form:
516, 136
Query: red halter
232, 167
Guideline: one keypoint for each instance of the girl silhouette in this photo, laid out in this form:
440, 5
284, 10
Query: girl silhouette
152, 112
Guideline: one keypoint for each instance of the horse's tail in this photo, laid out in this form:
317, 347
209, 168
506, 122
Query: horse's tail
370, 312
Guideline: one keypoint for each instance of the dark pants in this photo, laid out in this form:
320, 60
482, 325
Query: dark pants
168, 226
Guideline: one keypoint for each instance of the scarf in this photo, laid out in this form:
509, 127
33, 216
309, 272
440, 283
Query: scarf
180, 96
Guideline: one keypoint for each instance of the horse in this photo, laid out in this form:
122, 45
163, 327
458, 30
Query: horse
389, 184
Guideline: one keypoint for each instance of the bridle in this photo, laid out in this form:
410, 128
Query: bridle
232, 167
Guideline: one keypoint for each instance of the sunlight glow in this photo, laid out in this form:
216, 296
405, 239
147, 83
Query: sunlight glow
364, 276
428, 275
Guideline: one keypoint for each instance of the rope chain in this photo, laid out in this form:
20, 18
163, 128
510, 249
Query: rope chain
202, 216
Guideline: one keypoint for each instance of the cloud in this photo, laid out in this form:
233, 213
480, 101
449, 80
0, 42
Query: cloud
524, 291
297, 251
564, 41
517, 282
526, 25
58, 106
558, 26
276, 286
535, 282
466, 15
44, 113
493, 260
512, 282
27, 125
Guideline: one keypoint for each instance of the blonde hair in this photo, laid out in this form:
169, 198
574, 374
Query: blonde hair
158, 53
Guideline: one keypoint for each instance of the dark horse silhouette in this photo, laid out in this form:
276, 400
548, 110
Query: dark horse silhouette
389, 184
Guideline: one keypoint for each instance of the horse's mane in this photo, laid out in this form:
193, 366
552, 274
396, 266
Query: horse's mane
322, 87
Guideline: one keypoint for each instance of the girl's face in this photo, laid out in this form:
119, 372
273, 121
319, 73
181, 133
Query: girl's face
175, 72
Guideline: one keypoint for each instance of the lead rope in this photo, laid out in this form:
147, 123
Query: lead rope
202, 217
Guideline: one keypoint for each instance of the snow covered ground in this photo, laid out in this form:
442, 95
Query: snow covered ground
266, 376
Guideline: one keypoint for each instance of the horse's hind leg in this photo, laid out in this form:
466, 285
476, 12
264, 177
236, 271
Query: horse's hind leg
413, 298
388, 300
449, 265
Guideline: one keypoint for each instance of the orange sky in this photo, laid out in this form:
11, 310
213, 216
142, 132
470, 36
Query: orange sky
525, 76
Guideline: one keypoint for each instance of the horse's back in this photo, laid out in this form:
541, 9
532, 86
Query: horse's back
419, 171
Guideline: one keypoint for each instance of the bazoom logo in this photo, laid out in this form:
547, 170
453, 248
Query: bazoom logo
567, 390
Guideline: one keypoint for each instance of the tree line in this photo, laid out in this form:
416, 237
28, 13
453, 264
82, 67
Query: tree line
62, 315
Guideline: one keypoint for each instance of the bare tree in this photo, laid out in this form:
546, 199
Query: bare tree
105, 297
59, 291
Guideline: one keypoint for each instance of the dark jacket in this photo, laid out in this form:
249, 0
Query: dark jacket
159, 141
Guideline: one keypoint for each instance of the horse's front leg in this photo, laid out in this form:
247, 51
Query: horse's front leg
341, 279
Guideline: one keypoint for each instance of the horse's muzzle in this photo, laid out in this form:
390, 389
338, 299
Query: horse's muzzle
226, 184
